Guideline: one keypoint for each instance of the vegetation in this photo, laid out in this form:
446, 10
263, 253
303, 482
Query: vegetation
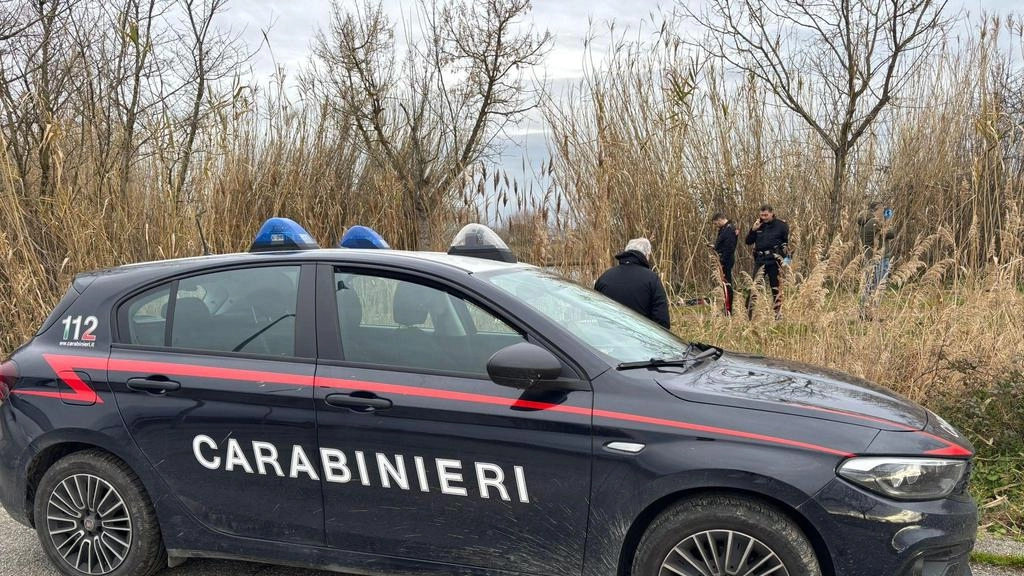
997, 560
129, 132
835, 65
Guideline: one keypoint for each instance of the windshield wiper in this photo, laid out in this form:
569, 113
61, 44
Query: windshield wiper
655, 362
708, 353
684, 361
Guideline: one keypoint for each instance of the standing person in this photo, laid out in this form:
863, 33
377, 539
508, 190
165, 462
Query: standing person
770, 237
876, 234
632, 283
863, 217
876, 237
725, 247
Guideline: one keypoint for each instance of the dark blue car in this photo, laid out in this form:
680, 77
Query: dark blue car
385, 412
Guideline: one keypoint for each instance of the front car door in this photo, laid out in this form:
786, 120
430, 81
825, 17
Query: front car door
214, 379
424, 457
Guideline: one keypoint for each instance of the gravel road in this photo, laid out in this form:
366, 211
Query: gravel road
20, 555
982, 570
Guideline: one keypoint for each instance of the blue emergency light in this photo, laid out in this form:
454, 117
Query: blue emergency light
282, 234
362, 237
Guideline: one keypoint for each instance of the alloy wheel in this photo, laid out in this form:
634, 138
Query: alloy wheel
89, 524
722, 553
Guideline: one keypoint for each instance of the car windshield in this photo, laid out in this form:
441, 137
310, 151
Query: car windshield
612, 329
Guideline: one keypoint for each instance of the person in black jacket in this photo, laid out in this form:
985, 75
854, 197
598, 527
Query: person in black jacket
770, 237
632, 283
725, 247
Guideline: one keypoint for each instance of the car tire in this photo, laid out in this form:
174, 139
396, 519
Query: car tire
93, 518
749, 536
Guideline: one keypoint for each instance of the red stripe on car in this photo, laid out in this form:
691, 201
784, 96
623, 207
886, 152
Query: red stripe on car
64, 366
951, 448
607, 414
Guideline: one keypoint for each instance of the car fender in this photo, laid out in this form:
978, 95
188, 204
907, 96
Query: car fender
619, 518
83, 439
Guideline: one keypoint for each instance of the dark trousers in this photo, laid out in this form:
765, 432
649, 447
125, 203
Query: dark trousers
727, 285
771, 270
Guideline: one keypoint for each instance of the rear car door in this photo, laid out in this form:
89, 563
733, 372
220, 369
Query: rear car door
424, 457
213, 375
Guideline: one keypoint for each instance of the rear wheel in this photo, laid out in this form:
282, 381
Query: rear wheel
724, 536
93, 518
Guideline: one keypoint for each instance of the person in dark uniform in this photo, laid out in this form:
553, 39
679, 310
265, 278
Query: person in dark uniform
770, 238
725, 247
632, 283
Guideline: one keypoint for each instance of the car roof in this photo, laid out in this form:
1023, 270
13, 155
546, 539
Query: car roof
465, 264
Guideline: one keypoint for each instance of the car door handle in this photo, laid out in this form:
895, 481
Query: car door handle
153, 385
358, 401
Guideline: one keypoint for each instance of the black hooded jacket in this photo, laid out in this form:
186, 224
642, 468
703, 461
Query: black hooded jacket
632, 283
725, 244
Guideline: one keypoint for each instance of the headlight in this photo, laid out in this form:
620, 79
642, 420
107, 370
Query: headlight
905, 478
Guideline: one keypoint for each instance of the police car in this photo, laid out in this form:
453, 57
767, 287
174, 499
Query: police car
384, 412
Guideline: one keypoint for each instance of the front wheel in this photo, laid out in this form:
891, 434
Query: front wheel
724, 536
93, 518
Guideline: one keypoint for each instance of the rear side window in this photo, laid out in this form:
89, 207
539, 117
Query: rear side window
248, 310
147, 316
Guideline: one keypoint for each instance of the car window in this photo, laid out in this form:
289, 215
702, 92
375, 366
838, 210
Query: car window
610, 328
485, 323
147, 317
403, 324
248, 310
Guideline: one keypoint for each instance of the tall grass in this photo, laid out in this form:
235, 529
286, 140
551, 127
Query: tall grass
656, 139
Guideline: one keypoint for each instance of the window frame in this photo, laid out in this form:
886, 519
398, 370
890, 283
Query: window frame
305, 313
331, 347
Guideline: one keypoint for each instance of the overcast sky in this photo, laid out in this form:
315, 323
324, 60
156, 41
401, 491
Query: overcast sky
291, 23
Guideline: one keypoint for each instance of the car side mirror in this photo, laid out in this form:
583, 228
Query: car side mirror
523, 365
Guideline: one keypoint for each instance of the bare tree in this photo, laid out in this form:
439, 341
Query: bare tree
39, 75
211, 55
432, 114
835, 63
136, 61
17, 19
12, 19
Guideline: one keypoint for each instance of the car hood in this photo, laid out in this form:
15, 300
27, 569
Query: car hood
781, 386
